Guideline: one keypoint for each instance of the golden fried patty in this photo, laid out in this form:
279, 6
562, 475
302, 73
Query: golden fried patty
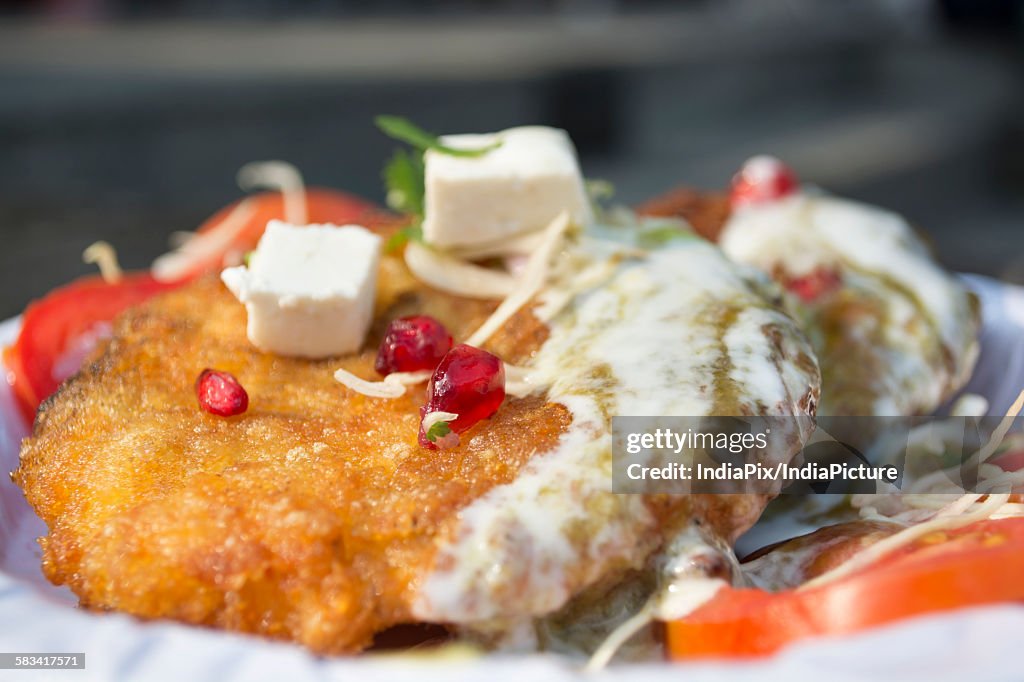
307, 518
314, 516
880, 349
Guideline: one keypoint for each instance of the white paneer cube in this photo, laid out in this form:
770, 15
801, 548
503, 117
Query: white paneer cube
309, 291
519, 187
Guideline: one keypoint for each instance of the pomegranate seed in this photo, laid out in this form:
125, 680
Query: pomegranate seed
220, 393
469, 382
760, 180
411, 344
815, 284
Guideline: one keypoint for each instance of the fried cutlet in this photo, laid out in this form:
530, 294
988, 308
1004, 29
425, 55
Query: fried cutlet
315, 516
890, 340
307, 518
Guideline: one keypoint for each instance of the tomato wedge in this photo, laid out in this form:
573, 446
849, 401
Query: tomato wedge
54, 327
236, 229
979, 564
1009, 461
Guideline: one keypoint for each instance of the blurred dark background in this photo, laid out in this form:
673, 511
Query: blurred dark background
127, 121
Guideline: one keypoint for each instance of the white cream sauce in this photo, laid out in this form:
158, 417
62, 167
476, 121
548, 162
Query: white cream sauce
649, 340
878, 252
685, 582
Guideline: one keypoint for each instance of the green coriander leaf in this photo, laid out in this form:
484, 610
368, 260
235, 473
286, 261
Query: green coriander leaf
438, 430
950, 458
403, 179
403, 237
406, 131
663, 234
247, 258
599, 190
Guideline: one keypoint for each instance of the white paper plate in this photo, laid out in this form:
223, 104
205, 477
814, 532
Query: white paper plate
35, 617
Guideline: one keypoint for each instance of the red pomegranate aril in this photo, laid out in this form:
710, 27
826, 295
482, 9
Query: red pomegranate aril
412, 344
220, 393
762, 179
814, 285
469, 382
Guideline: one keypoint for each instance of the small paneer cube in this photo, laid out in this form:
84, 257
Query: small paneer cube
309, 290
516, 188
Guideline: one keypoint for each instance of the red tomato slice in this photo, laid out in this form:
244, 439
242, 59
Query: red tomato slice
226, 235
52, 326
322, 206
979, 564
1009, 461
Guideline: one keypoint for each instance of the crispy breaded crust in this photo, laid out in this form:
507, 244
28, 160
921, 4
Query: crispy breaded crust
307, 518
314, 516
